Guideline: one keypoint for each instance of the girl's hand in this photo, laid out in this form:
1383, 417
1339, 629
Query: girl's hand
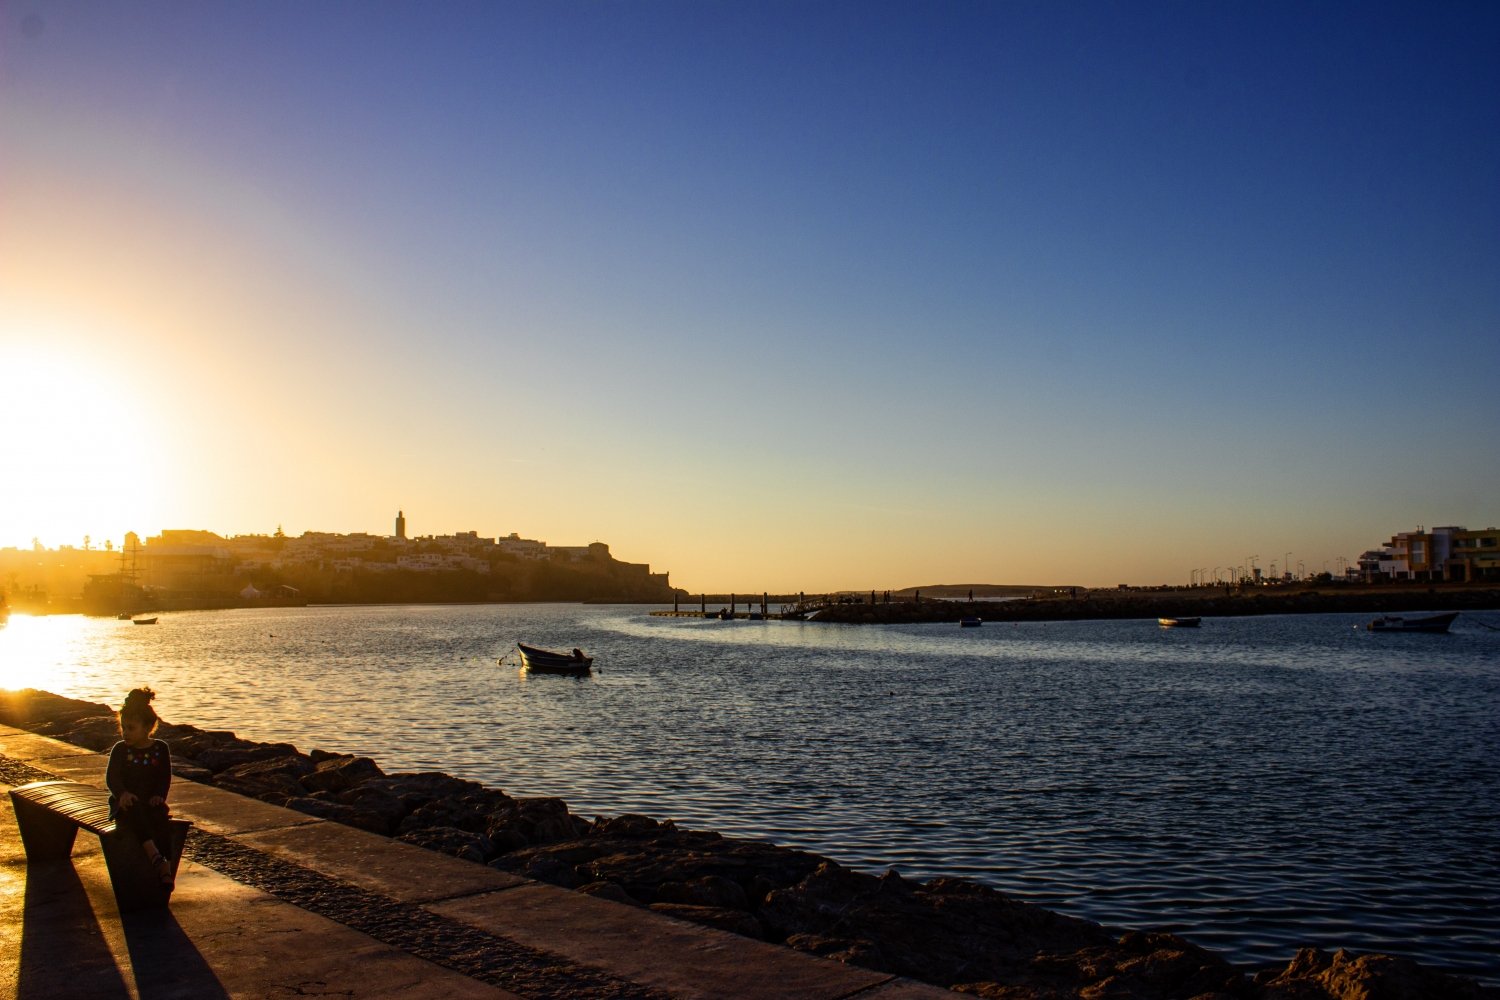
157, 800
127, 799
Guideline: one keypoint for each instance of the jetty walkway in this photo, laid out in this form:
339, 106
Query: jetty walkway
275, 903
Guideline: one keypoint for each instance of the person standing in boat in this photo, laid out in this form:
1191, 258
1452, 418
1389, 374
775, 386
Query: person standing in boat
138, 777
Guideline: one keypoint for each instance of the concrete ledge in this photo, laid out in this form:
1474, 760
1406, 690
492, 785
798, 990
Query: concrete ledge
682, 959
86, 767
29, 746
61, 937
405, 872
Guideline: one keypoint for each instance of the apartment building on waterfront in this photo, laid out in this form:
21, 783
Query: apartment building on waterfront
1451, 553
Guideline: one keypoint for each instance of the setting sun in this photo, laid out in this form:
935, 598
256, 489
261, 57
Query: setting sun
79, 453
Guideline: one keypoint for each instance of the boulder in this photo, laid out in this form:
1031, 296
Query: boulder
188, 771
471, 812
846, 950
448, 840
380, 810
272, 788
734, 921
642, 865
609, 891
337, 774
1140, 965
1315, 975
706, 890
233, 753
293, 766
32, 709
946, 931
535, 821
542, 868
99, 732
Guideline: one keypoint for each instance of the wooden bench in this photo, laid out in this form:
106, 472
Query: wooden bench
50, 814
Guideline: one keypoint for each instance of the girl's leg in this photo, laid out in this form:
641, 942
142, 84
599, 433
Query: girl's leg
160, 833
159, 862
141, 822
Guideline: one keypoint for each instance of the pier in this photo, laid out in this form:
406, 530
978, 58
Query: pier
798, 610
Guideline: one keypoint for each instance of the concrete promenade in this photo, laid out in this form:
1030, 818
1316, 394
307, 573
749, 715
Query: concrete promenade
273, 903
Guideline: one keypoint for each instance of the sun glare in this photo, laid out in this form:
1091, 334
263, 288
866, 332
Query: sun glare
76, 456
33, 651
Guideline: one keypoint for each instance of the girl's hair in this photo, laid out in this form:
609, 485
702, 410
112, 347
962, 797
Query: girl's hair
138, 706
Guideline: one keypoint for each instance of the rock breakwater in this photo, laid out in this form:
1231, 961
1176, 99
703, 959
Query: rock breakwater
949, 932
1100, 605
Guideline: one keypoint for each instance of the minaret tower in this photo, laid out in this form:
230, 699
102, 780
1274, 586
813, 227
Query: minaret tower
401, 525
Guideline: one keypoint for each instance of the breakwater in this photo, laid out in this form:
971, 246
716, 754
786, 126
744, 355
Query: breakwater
1103, 605
950, 932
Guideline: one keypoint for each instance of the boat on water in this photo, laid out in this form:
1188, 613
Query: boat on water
1179, 622
143, 621
970, 622
1398, 623
545, 661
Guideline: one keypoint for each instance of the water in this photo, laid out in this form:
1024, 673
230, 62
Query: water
1257, 785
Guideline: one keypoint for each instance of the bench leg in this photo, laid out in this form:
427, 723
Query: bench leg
179, 828
46, 835
130, 873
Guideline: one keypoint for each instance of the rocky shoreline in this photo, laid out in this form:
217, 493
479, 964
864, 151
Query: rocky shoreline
948, 932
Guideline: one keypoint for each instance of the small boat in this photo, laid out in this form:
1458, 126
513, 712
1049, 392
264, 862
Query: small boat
970, 622
1396, 623
143, 621
1179, 622
545, 661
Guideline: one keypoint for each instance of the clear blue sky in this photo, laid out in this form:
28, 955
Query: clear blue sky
772, 295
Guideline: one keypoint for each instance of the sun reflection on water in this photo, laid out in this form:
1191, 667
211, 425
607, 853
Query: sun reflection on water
33, 651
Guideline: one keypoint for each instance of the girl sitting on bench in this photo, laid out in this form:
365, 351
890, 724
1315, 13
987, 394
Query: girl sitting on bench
139, 774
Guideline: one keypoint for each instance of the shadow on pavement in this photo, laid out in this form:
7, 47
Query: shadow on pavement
64, 953
165, 961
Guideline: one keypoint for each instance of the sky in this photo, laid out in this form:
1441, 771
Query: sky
773, 296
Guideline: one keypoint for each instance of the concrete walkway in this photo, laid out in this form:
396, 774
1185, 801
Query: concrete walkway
274, 903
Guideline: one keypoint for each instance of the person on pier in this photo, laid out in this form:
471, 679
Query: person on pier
138, 777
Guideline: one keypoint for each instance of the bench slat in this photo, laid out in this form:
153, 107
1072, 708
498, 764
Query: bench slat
79, 803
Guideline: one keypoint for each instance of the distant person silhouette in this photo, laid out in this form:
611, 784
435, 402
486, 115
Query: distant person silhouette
138, 777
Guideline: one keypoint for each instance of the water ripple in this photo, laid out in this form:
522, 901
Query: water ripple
1258, 785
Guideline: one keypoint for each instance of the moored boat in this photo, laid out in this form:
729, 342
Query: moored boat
144, 621
1398, 623
970, 622
1179, 622
545, 661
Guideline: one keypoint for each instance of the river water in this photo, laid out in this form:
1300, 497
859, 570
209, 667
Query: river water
1257, 785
